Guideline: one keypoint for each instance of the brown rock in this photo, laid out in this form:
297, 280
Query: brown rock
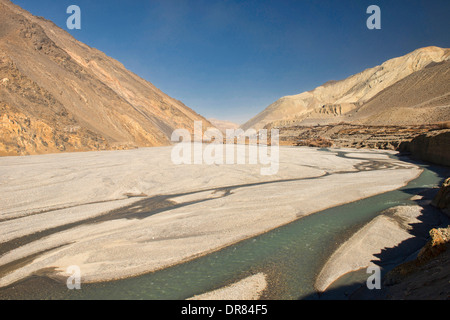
435, 247
433, 147
442, 199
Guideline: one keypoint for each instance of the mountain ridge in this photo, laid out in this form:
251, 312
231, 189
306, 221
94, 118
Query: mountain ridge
343, 96
83, 99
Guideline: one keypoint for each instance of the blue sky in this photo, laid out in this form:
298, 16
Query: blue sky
231, 59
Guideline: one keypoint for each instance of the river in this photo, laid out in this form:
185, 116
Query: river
291, 256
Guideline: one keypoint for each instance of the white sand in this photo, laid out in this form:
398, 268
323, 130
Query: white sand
364, 247
249, 288
77, 186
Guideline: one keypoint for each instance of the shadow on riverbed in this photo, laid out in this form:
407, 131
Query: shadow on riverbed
165, 282
353, 286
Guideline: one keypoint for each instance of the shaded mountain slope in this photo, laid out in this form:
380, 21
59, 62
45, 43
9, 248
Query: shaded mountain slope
421, 98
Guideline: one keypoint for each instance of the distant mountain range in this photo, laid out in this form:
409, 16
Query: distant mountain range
58, 94
409, 90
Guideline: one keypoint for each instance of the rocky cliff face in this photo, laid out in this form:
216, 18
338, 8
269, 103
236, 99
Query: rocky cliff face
336, 100
344, 135
26, 135
442, 199
432, 147
58, 94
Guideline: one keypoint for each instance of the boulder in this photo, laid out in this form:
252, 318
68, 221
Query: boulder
442, 199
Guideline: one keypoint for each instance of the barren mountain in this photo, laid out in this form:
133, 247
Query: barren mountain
421, 98
377, 93
58, 94
223, 125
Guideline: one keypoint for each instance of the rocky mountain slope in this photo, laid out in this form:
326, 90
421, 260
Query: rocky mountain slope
58, 94
409, 90
420, 98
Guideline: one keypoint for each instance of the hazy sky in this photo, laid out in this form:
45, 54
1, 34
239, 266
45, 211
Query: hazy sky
231, 59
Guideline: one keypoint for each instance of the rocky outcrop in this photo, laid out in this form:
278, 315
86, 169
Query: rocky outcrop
426, 277
335, 109
429, 143
442, 199
346, 135
439, 238
315, 143
433, 147
27, 135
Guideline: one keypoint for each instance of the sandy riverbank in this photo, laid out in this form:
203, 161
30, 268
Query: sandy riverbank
75, 209
362, 249
395, 236
249, 288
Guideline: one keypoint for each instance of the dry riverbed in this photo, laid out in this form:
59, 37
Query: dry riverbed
119, 214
